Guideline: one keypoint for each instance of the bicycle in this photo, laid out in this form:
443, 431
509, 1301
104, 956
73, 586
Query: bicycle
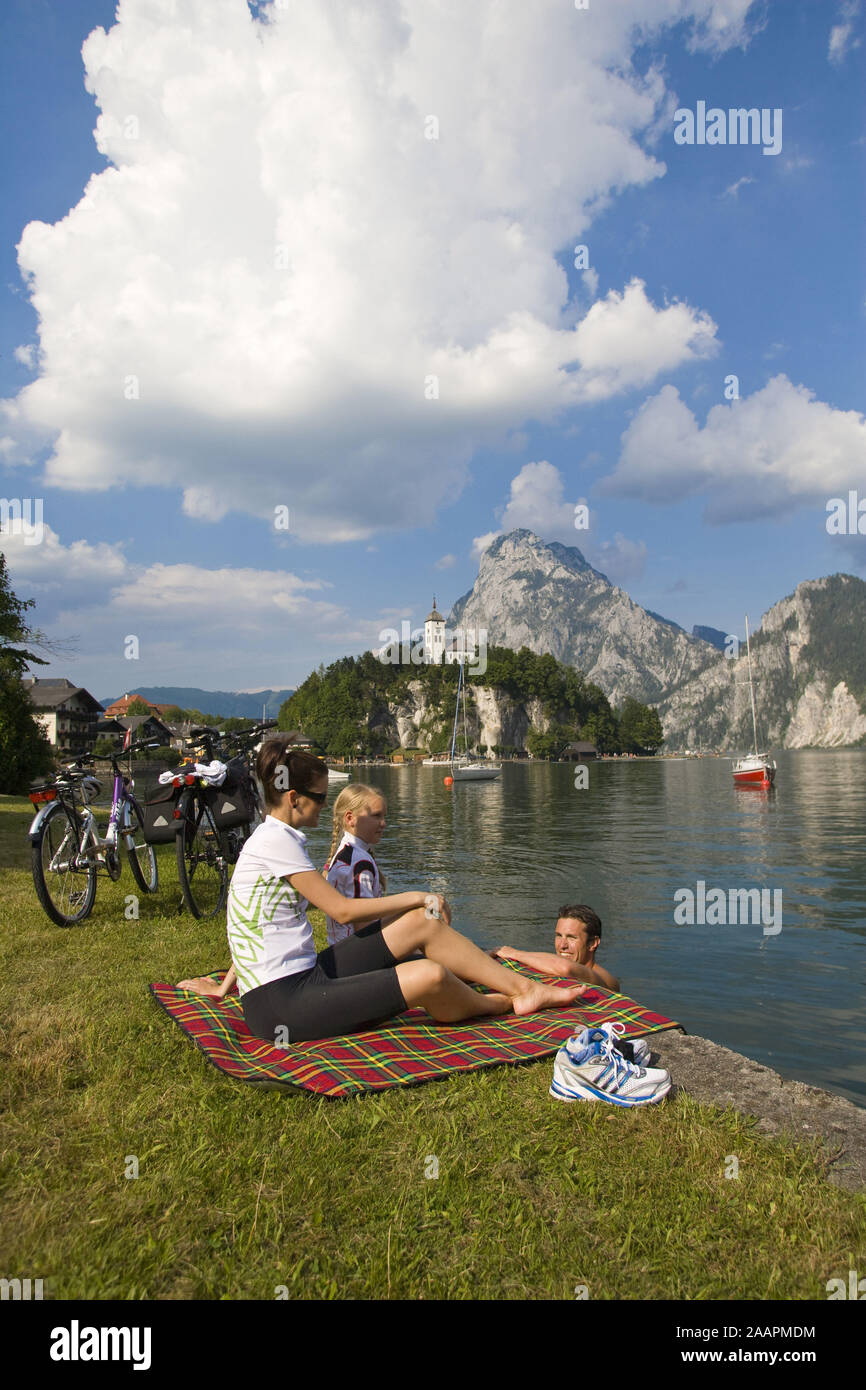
210, 829
67, 851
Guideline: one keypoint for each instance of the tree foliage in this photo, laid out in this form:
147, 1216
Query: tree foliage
640, 729
25, 752
138, 707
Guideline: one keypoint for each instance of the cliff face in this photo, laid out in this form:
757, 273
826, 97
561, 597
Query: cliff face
545, 596
809, 664
493, 717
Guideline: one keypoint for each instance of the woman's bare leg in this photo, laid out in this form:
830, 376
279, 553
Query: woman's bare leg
445, 998
463, 958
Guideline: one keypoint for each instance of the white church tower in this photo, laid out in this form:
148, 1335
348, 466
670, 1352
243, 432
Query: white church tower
434, 637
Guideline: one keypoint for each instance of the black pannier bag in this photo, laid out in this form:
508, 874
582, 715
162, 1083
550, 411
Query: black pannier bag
160, 825
233, 803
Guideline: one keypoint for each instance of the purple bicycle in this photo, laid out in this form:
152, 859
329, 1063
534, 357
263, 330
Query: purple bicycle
67, 850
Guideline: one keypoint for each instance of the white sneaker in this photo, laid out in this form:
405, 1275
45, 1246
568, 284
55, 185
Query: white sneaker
633, 1049
589, 1067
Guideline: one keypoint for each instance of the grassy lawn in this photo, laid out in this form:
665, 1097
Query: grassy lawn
241, 1191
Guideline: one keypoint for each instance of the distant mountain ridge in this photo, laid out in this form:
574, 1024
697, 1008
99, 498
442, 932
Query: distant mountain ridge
809, 665
229, 704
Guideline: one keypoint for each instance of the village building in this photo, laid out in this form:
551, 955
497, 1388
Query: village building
68, 713
120, 708
579, 752
145, 728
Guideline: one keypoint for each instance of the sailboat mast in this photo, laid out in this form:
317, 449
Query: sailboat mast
751, 686
465, 730
456, 712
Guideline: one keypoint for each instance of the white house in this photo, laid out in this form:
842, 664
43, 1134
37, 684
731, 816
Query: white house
68, 713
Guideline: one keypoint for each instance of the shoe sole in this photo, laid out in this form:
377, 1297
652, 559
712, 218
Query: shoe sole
589, 1092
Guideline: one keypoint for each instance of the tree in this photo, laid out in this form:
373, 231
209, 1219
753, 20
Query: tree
14, 631
601, 729
137, 706
640, 728
549, 745
106, 744
25, 752
653, 736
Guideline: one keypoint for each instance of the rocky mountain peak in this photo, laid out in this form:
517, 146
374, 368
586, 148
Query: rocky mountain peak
546, 596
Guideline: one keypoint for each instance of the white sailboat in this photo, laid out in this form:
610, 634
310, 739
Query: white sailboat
756, 769
463, 769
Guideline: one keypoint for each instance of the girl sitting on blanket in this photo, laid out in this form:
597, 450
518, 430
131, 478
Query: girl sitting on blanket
359, 822
291, 994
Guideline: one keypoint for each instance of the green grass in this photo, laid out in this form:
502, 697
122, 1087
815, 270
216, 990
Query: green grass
240, 1191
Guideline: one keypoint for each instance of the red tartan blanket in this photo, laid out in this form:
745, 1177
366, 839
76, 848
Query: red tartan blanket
411, 1050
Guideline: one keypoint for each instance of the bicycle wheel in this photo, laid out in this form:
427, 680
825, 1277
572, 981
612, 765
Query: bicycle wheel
142, 856
201, 866
65, 884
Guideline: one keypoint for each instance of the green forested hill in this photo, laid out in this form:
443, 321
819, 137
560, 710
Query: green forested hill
352, 705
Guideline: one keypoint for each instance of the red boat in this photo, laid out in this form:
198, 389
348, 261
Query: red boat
756, 769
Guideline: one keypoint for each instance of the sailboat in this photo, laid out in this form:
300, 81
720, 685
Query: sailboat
463, 769
756, 769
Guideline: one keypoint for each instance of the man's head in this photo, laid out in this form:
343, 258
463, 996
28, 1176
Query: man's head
578, 933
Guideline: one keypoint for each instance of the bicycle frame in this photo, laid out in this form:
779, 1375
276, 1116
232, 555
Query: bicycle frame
91, 843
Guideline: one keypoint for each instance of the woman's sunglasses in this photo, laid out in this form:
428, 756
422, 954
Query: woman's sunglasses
320, 797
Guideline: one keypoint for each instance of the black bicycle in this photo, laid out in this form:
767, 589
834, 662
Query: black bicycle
211, 823
67, 850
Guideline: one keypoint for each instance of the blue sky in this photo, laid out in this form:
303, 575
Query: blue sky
304, 386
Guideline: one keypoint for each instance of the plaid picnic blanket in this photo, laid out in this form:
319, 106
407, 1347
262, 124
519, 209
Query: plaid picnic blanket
409, 1051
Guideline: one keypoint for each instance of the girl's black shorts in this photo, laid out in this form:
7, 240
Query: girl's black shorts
352, 987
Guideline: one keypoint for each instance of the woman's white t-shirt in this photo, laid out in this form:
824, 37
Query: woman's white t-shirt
269, 934
353, 872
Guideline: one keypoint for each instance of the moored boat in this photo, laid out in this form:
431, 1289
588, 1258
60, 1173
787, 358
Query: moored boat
463, 769
755, 769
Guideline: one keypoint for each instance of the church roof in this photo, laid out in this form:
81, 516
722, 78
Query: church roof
434, 616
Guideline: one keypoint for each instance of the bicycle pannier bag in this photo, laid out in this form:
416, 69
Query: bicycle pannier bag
160, 826
233, 803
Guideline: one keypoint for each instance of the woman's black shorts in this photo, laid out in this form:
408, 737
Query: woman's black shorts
353, 986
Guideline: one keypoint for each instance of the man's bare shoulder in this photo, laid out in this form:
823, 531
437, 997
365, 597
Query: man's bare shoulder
591, 974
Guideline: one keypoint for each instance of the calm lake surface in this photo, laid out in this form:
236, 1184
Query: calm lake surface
507, 853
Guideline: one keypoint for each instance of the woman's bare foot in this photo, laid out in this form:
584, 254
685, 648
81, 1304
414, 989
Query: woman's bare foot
201, 985
494, 1004
539, 997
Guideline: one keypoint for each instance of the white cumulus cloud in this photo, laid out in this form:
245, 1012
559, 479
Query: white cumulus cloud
227, 624
762, 456
282, 292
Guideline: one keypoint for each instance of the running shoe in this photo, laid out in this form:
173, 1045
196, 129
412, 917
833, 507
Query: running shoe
633, 1049
589, 1067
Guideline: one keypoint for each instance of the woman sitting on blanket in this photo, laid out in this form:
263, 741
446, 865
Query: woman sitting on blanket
290, 993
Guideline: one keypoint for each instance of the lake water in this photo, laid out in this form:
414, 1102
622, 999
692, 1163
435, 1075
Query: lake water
508, 853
